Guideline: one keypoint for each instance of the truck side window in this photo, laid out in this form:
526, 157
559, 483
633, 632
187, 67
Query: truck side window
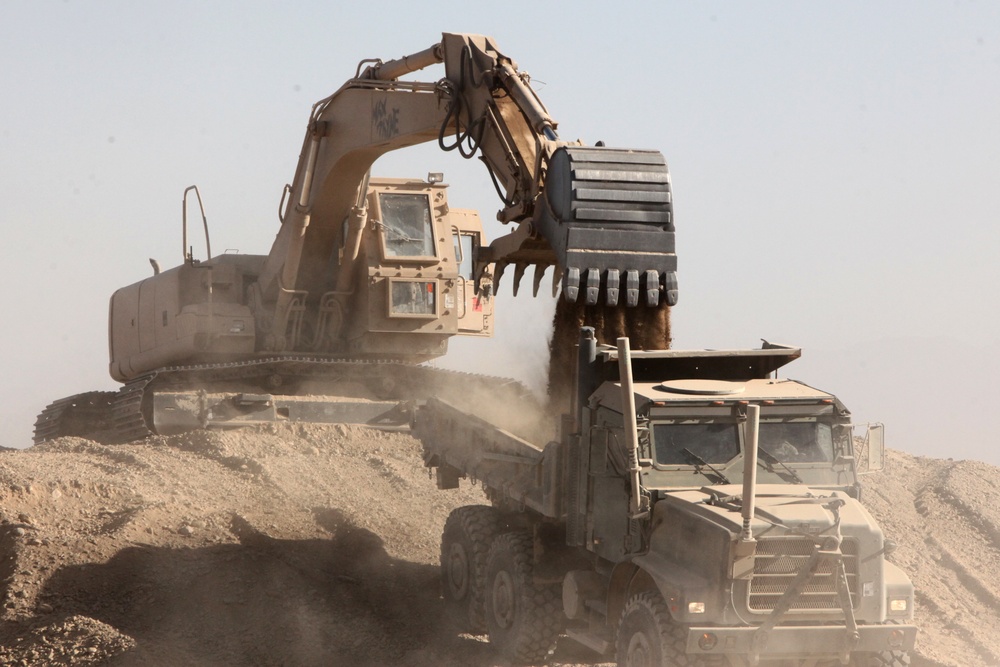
406, 221
713, 443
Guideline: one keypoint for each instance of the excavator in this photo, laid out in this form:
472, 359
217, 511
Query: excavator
369, 277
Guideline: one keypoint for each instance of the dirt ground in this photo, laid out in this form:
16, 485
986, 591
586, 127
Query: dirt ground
309, 545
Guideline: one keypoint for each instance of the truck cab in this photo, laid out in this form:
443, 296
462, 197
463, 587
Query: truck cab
800, 576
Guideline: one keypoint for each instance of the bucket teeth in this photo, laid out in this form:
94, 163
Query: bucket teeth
613, 284
593, 286
572, 290
556, 280
536, 278
641, 288
497, 275
652, 288
518, 274
632, 288
670, 287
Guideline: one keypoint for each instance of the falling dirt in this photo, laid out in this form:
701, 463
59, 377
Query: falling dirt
646, 329
314, 545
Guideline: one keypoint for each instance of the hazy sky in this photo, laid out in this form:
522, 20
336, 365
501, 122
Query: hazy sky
836, 171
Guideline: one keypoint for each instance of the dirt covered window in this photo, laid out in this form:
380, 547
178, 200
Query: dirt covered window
685, 444
406, 223
797, 442
412, 297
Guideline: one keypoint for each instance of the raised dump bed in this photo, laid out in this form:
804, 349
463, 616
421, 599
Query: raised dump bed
459, 444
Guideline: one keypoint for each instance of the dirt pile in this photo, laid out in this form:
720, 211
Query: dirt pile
945, 517
277, 546
319, 545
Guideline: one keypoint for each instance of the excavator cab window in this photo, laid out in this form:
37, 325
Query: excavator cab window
406, 225
464, 248
412, 298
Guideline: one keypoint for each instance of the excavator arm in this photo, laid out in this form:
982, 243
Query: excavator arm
602, 216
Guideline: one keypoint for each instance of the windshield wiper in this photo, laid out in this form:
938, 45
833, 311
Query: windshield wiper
702, 463
769, 460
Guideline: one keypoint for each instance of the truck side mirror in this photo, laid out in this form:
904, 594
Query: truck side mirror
870, 449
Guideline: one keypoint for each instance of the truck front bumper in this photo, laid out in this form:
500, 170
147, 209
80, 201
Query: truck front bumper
800, 641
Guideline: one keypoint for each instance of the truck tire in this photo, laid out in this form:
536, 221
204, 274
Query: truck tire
882, 659
523, 619
648, 637
465, 545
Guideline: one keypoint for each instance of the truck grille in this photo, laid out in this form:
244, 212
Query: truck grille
779, 559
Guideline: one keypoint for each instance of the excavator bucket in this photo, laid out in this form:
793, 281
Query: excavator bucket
608, 216
604, 216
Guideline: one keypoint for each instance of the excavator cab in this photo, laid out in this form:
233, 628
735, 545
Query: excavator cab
417, 254
415, 262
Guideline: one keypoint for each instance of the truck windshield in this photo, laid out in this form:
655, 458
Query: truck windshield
406, 220
713, 442
797, 442
720, 442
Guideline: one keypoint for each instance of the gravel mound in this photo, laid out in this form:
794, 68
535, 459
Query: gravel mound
306, 545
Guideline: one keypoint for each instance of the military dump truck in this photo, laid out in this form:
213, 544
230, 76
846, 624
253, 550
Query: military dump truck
368, 278
695, 510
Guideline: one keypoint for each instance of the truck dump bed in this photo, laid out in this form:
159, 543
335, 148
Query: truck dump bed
462, 445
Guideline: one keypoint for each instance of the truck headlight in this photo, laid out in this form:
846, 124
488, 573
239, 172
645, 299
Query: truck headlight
696, 607
899, 605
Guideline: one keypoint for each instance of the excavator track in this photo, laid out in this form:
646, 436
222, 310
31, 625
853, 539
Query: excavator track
77, 415
398, 384
127, 415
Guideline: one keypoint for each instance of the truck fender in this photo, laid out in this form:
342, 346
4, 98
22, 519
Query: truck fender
627, 579
649, 571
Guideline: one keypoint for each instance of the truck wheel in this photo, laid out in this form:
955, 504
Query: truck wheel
647, 637
523, 619
465, 544
882, 659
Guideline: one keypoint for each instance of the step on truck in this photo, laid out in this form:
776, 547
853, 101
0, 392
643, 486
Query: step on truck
694, 510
